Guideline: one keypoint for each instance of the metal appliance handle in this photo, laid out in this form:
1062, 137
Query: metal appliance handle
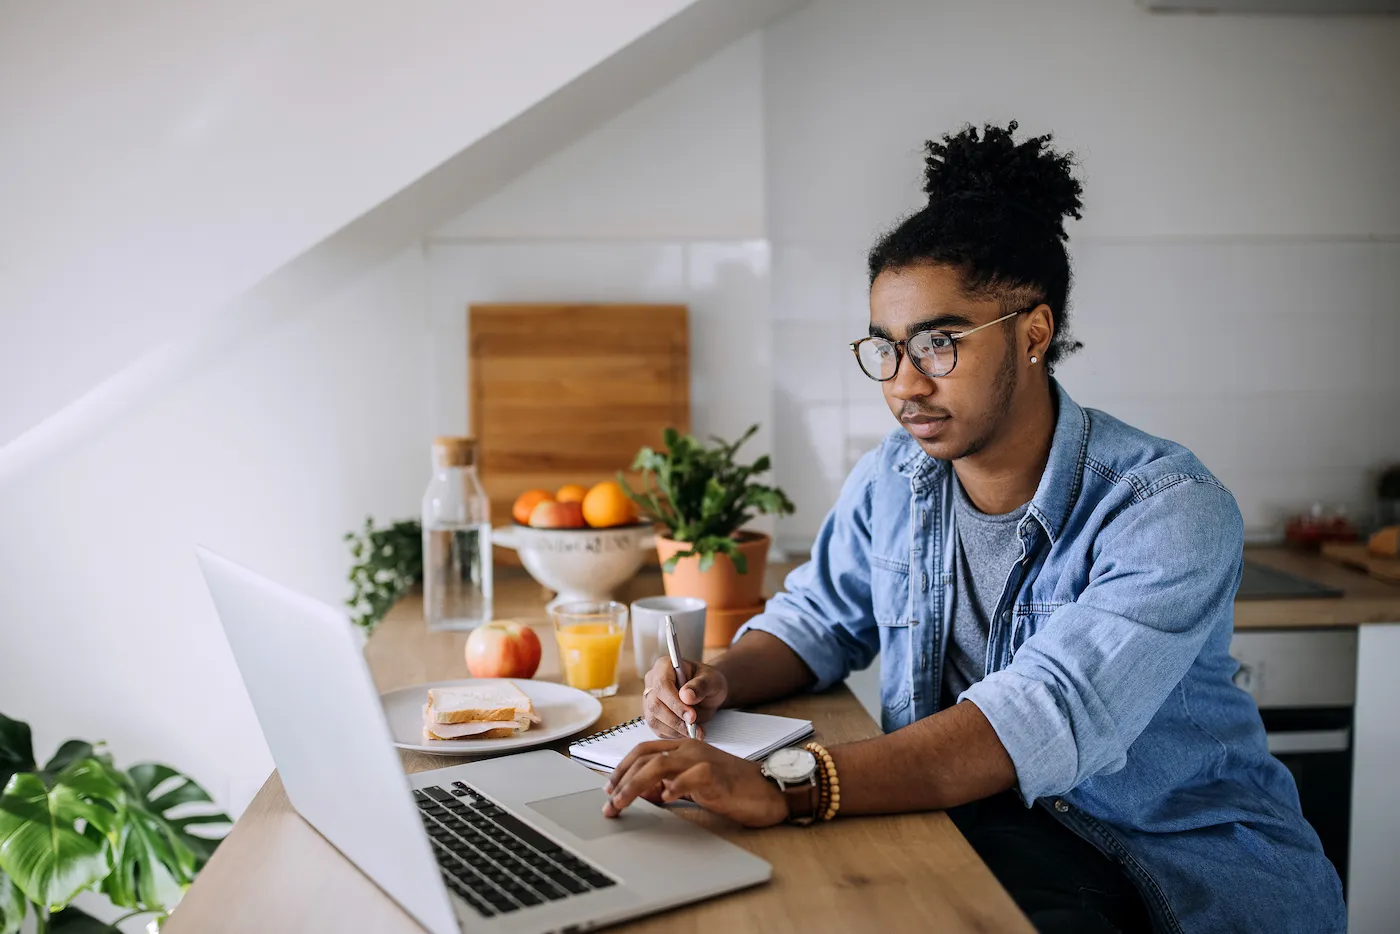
1304, 741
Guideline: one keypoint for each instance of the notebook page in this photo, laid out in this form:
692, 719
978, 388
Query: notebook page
753, 735
746, 735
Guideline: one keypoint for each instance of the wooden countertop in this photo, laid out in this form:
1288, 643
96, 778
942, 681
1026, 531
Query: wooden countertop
906, 872
1365, 599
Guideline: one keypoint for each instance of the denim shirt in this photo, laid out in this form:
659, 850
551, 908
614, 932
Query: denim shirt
1108, 663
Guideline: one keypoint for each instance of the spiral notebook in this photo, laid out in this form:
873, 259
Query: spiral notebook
746, 735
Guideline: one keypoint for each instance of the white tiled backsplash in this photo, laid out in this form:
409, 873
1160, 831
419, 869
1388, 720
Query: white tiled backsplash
1272, 360
724, 283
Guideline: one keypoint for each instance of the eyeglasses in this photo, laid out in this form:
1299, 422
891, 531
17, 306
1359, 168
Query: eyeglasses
933, 353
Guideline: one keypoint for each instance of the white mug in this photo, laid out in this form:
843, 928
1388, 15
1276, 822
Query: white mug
648, 639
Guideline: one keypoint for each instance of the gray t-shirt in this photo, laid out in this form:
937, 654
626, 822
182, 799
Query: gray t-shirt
985, 549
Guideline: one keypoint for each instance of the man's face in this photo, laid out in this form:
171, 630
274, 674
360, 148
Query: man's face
957, 415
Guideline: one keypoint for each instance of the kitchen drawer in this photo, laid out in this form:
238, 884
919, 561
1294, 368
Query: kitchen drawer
1297, 668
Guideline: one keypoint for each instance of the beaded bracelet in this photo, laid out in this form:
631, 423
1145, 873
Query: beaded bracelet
829, 786
819, 781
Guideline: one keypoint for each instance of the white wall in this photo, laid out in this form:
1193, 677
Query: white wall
664, 203
161, 157
686, 161
1239, 259
268, 455
271, 429
1239, 177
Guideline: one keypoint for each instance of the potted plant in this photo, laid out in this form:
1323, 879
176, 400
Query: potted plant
703, 498
80, 823
388, 562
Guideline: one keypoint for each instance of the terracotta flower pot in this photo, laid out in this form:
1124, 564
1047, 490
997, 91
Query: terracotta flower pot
721, 587
721, 625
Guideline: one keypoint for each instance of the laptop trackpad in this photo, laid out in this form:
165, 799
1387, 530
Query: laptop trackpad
581, 814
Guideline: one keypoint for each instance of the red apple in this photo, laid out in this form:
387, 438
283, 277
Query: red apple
552, 515
506, 649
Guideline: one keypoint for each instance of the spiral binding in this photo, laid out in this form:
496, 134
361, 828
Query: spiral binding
604, 734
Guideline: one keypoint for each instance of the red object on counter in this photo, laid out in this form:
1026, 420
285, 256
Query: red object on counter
1313, 530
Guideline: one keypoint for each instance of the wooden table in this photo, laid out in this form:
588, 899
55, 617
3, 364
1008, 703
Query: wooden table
911, 872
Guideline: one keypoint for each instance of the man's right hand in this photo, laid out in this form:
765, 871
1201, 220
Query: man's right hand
668, 710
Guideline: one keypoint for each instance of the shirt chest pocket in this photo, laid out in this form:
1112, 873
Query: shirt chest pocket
1028, 619
889, 591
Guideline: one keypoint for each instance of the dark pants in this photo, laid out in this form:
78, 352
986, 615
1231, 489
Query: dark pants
1062, 883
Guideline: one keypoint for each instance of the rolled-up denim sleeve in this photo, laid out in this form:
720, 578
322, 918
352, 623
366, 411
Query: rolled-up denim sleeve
1083, 687
825, 614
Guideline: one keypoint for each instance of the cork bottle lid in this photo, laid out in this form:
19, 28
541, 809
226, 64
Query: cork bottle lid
455, 451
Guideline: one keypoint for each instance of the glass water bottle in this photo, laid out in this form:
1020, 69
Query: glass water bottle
456, 540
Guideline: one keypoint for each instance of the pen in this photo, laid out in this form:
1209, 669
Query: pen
673, 646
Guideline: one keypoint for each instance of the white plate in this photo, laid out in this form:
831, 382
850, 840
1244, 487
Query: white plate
563, 711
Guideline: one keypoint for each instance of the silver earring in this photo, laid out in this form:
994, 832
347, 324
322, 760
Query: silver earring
1035, 359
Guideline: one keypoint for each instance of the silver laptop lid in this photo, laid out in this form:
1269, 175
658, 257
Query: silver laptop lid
322, 720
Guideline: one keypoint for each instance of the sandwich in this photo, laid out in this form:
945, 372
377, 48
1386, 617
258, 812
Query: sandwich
484, 710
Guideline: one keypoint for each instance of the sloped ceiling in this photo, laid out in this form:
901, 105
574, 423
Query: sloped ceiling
182, 174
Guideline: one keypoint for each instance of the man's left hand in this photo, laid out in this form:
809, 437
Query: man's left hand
670, 769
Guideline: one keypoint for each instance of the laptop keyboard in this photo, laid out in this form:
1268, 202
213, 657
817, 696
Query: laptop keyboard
494, 861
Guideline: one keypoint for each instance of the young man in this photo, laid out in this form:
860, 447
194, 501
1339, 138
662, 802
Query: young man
1051, 595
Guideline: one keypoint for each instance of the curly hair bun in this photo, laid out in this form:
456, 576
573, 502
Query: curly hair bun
991, 168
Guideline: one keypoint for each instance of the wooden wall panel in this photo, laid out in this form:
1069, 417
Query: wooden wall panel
568, 393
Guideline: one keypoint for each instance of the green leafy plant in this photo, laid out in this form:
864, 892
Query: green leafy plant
388, 562
702, 496
80, 823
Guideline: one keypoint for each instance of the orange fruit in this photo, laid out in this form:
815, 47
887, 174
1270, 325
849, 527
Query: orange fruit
571, 493
526, 503
607, 506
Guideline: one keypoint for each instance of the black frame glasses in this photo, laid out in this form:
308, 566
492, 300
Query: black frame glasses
925, 350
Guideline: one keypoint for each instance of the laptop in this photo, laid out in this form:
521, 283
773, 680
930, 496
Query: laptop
512, 844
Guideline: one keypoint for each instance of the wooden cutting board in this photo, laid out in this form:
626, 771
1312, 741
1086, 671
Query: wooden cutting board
1357, 557
568, 393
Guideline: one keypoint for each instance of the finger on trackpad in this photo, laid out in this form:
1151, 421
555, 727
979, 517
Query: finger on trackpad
581, 814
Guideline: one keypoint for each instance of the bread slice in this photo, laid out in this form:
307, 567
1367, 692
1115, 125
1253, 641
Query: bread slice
476, 729
500, 732
488, 700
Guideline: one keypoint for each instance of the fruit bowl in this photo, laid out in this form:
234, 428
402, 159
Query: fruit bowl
579, 564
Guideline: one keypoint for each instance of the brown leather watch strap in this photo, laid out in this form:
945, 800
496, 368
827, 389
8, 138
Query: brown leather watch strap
802, 802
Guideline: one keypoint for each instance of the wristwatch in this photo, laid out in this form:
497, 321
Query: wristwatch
794, 771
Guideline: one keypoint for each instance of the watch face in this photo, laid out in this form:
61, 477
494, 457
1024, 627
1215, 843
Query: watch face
792, 765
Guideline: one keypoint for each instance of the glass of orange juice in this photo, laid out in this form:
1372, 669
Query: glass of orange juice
591, 636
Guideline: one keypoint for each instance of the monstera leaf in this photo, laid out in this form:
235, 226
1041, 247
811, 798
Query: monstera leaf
155, 857
16, 749
67, 754
53, 841
80, 821
12, 905
76, 921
